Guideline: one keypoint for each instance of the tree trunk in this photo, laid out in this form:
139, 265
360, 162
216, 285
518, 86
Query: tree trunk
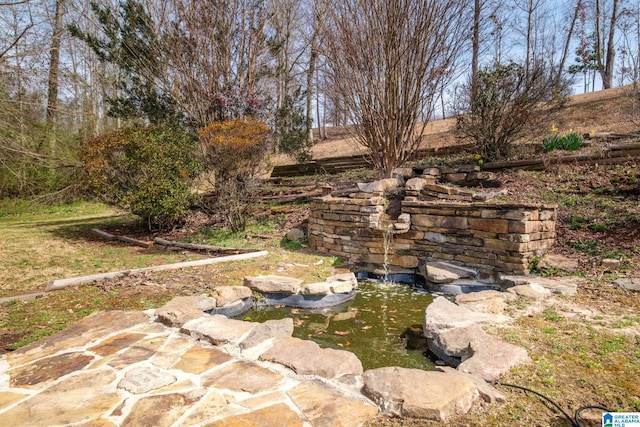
567, 43
310, 71
606, 69
54, 68
607, 78
475, 51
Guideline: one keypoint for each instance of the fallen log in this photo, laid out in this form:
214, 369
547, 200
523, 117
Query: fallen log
109, 236
75, 281
199, 247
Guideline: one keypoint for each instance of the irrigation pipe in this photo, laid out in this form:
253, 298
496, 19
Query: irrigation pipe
575, 421
75, 281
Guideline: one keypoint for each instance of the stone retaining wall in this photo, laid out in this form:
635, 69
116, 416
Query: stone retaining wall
490, 237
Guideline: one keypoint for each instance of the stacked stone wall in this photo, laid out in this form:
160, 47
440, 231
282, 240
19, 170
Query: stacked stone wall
490, 237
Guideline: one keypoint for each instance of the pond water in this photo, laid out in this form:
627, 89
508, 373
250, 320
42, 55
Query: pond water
371, 326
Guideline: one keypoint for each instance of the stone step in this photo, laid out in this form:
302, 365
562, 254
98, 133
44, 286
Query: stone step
444, 272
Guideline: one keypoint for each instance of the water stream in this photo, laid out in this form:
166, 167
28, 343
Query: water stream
387, 241
371, 326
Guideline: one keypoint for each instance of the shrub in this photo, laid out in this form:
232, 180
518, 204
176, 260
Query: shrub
509, 99
234, 150
145, 170
569, 142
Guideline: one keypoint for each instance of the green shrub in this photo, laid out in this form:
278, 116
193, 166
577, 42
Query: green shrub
145, 170
569, 142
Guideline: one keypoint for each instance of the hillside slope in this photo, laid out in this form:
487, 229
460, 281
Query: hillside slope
611, 110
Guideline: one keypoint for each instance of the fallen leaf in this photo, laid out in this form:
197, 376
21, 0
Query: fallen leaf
341, 333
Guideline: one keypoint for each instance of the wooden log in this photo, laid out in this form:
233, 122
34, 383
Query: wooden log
75, 281
199, 247
103, 234
125, 239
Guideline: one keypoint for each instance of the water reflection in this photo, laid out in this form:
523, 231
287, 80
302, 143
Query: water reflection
371, 326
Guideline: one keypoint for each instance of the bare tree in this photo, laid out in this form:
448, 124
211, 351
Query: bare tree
605, 68
8, 45
567, 42
54, 69
387, 61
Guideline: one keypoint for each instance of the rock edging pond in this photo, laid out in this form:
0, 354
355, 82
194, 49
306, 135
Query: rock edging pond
451, 329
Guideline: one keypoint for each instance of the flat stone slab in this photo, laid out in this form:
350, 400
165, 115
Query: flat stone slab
273, 284
80, 398
267, 330
142, 380
492, 357
487, 301
531, 291
443, 272
567, 286
344, 277
199, 359
558, 262
217, 329
276, 415
48, 369
146, 411
181, 310
334, 409
242, 376
318, 288
78, 334
307, 358
629, 284
419, 394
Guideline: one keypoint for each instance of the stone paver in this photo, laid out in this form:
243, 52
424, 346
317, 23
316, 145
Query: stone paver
128, 369
324, 406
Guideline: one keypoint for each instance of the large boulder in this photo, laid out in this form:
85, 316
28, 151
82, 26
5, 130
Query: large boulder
487, 392
273, 284
228, 294
416, 393
492, 357
473, 351
344, 277
452, 346
442, 315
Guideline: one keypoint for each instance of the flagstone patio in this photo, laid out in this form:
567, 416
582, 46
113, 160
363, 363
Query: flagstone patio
125, 369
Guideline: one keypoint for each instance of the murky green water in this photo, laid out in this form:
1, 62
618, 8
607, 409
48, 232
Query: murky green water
370, 326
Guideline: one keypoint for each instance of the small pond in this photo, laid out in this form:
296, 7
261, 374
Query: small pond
371, 326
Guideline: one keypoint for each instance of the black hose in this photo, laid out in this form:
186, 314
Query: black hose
582, 408
575, 421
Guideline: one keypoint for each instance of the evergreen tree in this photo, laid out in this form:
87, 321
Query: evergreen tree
130, 42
